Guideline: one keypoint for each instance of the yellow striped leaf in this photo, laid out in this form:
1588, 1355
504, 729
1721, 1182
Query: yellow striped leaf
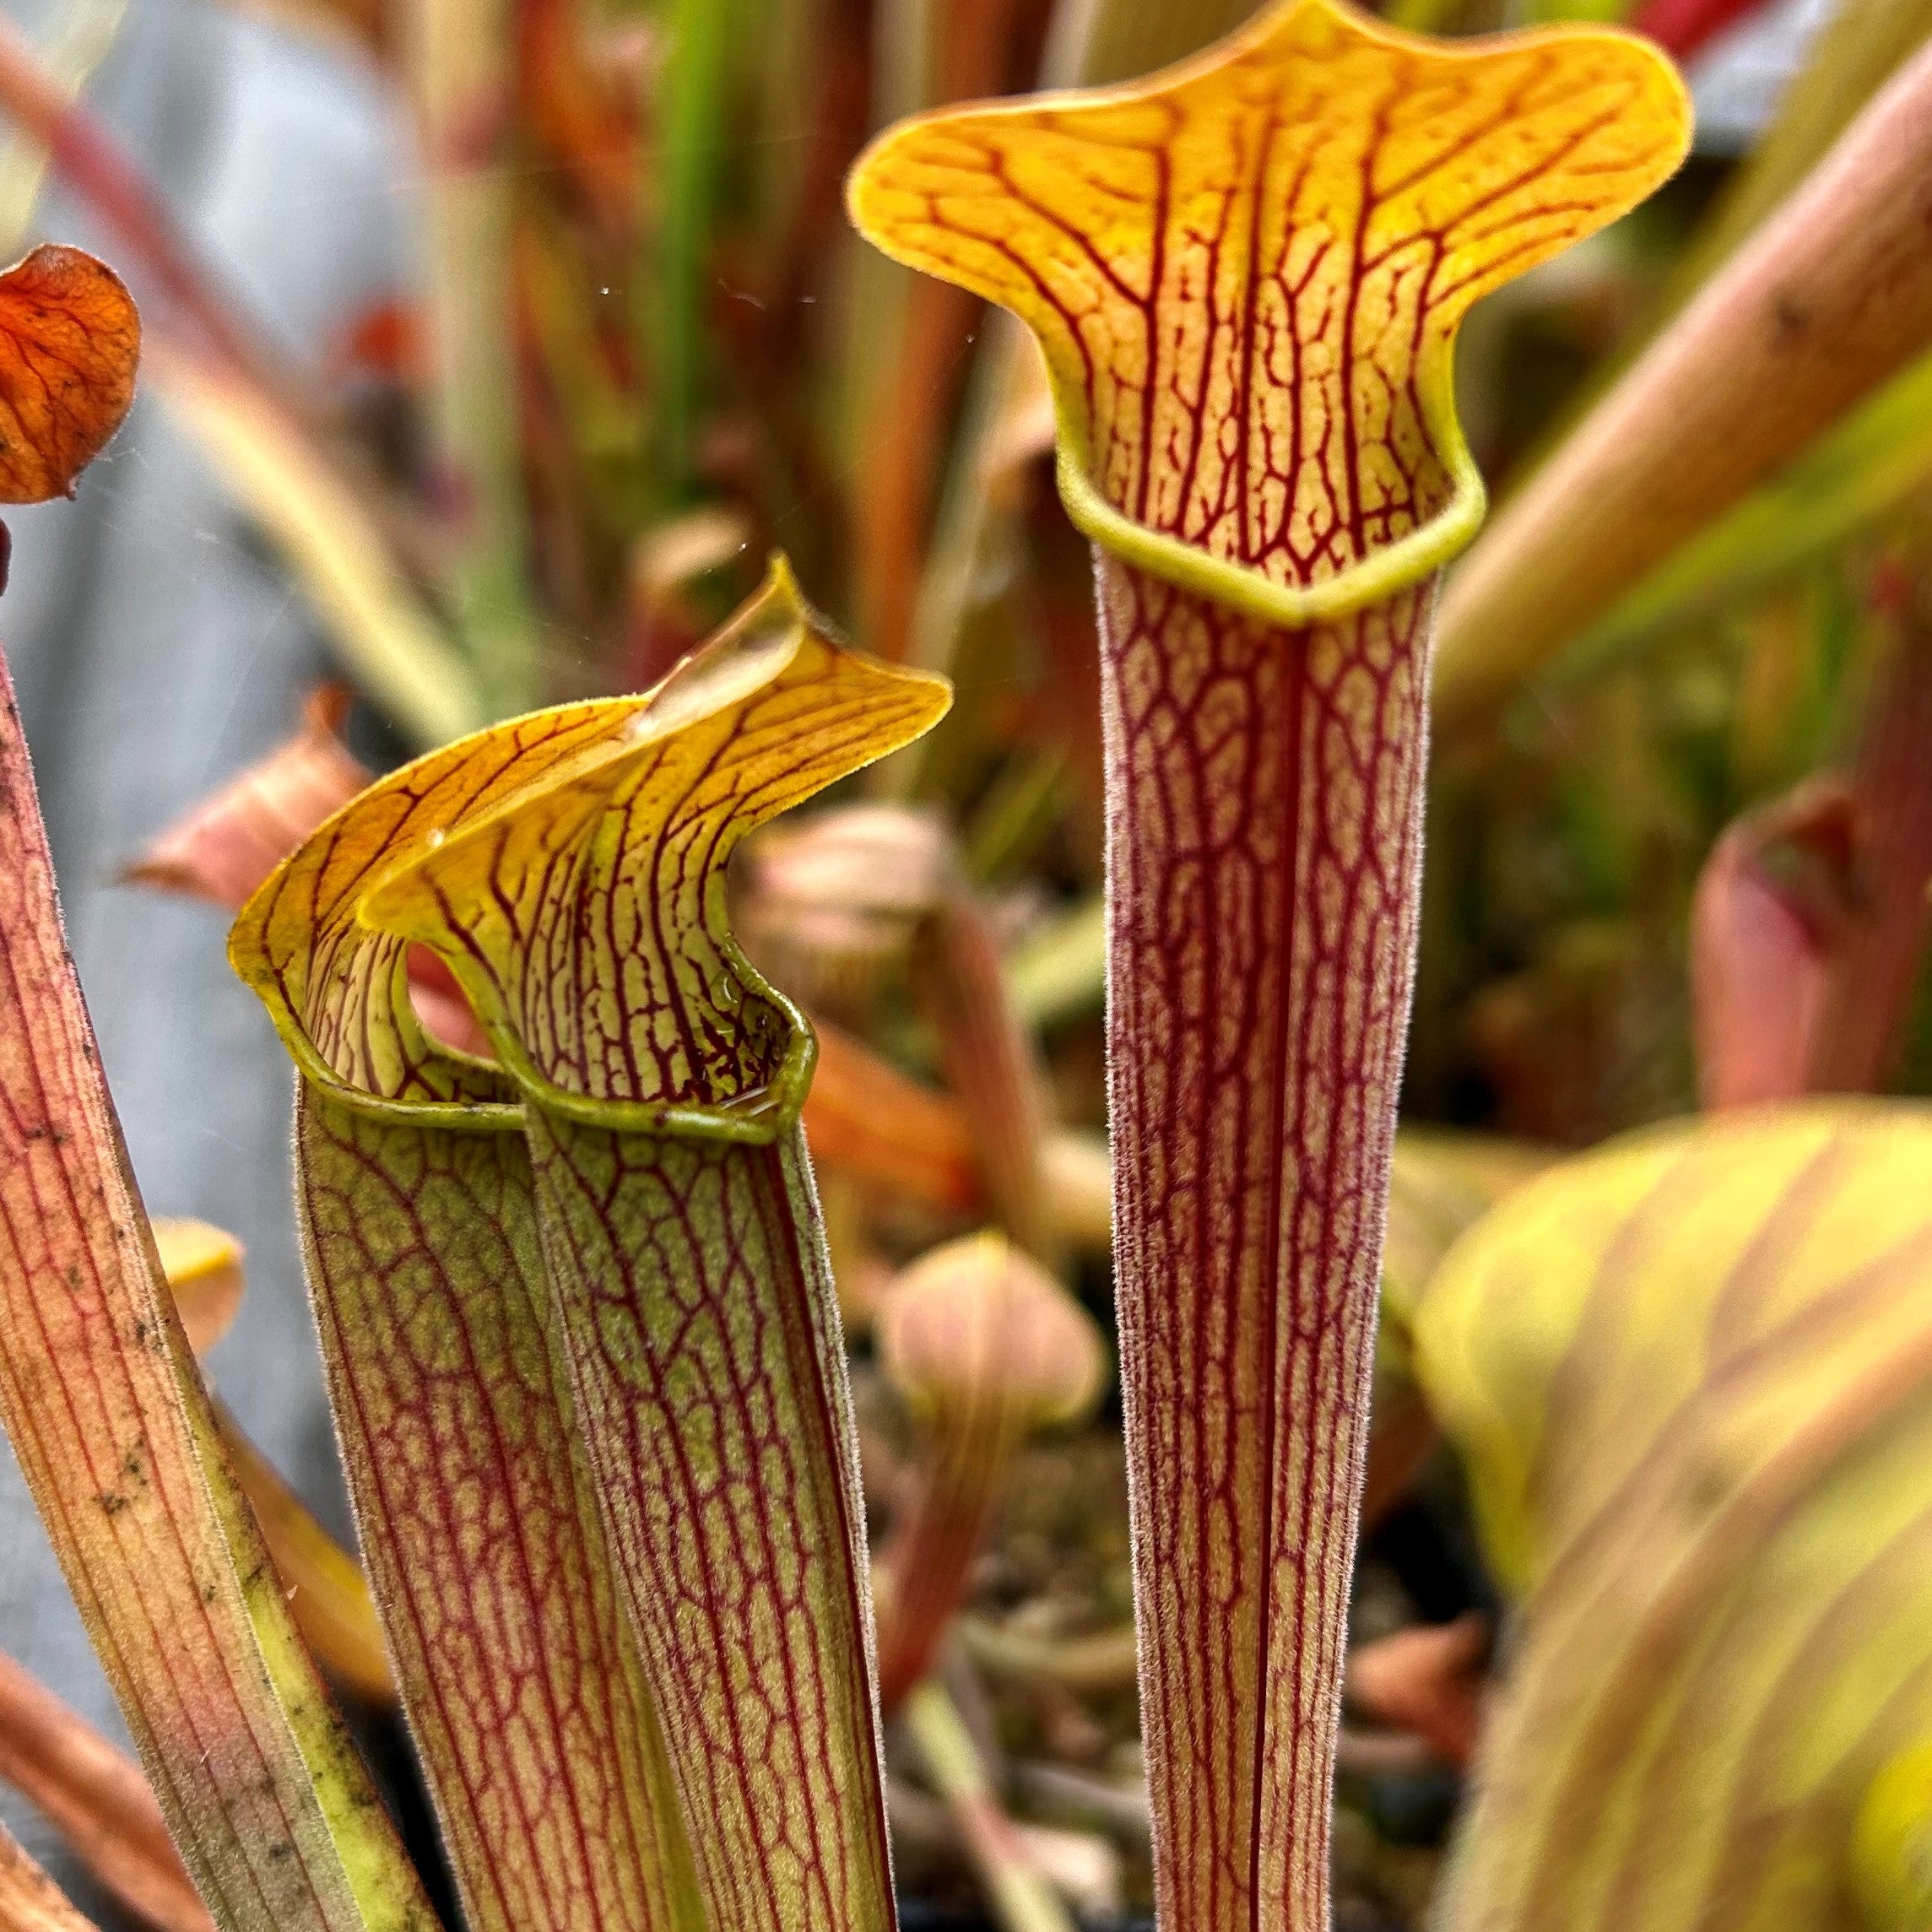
1691, 1379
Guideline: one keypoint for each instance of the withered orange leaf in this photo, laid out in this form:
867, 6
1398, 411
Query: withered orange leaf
226, 846
69, 342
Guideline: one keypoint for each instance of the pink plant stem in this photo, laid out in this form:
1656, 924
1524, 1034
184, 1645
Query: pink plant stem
1264, 807
929, 1559
110, 1419
990, 1065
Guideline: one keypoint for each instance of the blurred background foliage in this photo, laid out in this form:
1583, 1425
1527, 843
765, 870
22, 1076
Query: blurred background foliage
644, 350
641, 349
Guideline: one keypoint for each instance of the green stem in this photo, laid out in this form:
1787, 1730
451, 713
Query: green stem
690, 157
455, 52
1021, 1899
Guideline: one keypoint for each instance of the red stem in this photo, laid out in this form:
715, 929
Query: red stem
1873, 973
111, 1425
990, 1064
930, 1557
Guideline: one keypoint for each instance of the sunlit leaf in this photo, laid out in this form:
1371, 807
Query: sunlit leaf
618, 1292
1060, 972
1691, 1377
1245, 275
1093, 44
69, 342
378, 621
1440, 1183
203, 1264
1890, 1861
661, 1081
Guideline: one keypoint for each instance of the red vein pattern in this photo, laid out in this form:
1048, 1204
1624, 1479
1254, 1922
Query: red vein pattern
482, 1529
1245, 275
662, 1082
1264, 853
711, 1371
677, 1319
106, 1411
